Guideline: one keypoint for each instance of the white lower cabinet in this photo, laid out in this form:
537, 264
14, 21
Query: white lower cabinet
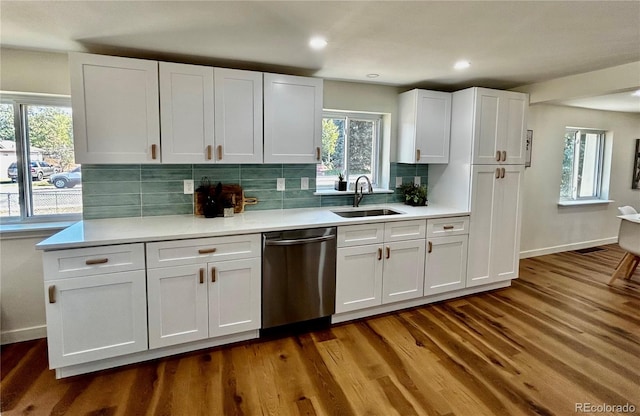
99, 312
446, 264
374, 274
204, 299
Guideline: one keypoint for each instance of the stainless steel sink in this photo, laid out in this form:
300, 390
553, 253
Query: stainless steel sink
366, 213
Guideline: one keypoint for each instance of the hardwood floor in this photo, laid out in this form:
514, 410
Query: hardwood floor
559, 336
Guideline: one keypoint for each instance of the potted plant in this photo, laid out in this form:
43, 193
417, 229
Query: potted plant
341, 184
415, 195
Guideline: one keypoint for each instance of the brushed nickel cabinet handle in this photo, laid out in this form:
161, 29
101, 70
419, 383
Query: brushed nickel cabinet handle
219, 152
430, 246
213, 275
504, 155
417, 155
318, 153
497, 173
502, 173
209, 152
52, 294
96, 261
379, 253
497, 155
207, 250
388, 252
448, 227
201, 276
154, 151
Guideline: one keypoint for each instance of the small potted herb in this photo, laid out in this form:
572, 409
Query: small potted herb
341, 184
415, 195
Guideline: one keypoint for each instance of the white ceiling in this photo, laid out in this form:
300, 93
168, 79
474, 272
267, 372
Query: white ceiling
409, 43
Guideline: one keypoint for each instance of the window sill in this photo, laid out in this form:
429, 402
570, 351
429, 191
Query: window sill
584, 202
334, 192
21, 229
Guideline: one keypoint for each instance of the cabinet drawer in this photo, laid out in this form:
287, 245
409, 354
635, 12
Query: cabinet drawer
441, 227
357, 235
62, 264
199, 250
404, 230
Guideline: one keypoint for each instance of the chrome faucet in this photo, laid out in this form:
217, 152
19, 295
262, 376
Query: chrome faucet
356, 198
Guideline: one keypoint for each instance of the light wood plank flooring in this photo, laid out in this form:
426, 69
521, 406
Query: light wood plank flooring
559, 336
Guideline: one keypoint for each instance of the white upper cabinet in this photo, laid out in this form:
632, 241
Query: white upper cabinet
500, 127
425, 124
115, 109
292, 119
187, 113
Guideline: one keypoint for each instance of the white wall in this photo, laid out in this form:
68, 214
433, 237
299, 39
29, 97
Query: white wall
548, 228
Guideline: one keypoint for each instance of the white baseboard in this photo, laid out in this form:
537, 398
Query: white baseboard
567, 247
23, 334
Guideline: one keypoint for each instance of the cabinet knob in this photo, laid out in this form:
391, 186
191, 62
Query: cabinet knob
213, 275
448, 227
154, 151
430, 246
52, 294
209, 152
417, 155
502, 173
497, 155
206, 250
219, 152
317, 153
201, 276
379, 254
497, 173
388, 252
96, 261
504, 155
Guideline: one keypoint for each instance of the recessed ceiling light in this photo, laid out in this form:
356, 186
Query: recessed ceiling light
636, 94
462, 65
317, 43
373, 75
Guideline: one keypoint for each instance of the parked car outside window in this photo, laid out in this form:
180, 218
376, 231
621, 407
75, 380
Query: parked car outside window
39, 170
67, 179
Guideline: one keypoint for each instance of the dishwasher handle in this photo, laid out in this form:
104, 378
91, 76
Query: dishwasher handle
299, 241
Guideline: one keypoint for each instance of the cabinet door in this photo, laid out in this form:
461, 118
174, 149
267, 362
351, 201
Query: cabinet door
403, 275
425, 124
238, 102
177, 305
446, 264
234, 296
506, 234
514, 117
292, 119
115, 109
358, 277
482, 222
486, 126
96, 317
433, 124
186, 109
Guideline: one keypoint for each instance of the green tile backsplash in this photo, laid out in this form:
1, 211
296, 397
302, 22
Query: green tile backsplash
110, 191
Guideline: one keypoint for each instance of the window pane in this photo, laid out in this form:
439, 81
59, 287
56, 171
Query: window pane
9, 201
566, 184
56, 185
361, 144
333, 155
588, 165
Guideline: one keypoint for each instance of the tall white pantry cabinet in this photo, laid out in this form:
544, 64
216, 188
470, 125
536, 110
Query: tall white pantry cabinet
485, 174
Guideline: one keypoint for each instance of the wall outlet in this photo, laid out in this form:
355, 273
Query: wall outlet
416, 180
188, 186
304, 183
398, 181
280, 184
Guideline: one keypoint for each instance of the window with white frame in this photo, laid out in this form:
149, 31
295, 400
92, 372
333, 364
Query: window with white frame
582, 165
39, 178
350, 146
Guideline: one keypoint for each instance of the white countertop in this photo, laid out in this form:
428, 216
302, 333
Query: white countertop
173, 227
630, 217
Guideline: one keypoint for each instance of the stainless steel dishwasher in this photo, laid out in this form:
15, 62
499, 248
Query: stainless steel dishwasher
298, 275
